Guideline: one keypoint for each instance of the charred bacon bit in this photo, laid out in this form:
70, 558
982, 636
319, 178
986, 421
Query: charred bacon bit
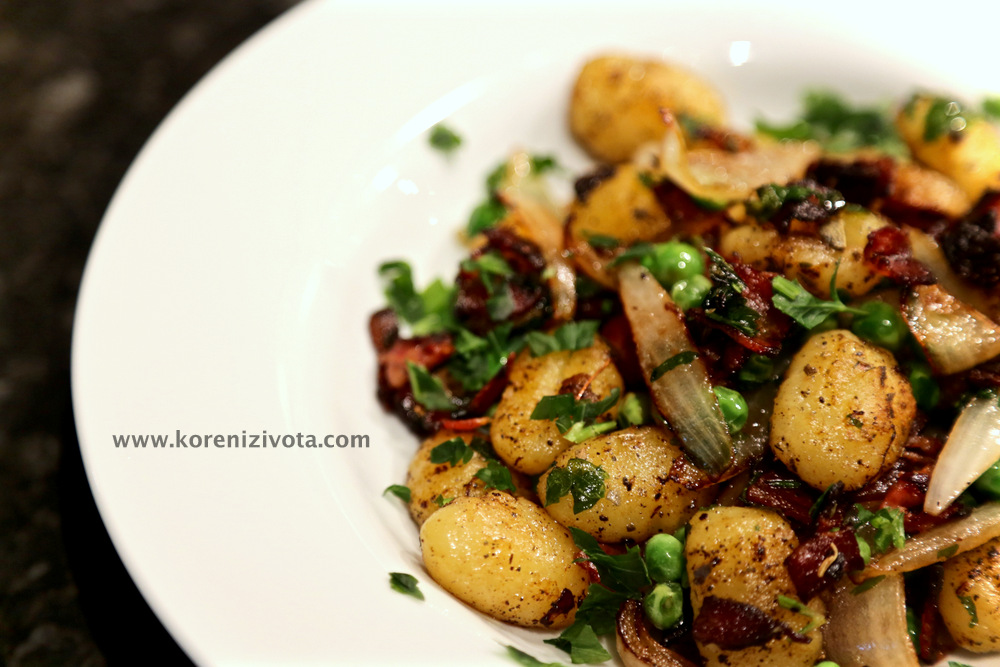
986, 376
935, 642
805, 214
560, 607
588, 566
579, 386
617, 333
526, 288
732, 625
490, 393
889, 253
589, 182
687, 216
862, 181
972, 245
383, 327
772, 325
468, 424
782, 493
394, 382
819, 562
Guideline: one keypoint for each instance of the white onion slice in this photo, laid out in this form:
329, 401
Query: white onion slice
927, 251
954, 335
869, 628
636, 647
973, 446
726, 176
683, 395
940, 543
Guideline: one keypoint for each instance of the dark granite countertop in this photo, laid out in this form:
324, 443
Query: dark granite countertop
82, 85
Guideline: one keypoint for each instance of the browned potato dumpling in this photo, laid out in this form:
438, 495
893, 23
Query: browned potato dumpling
617, 104
811, 260
639, 500
965, 147
842, 412
620, 206
529, 445
971, 585
429, 481
738, 553
506, 557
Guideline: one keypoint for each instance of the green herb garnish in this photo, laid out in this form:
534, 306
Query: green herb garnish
725, 302
496, 476
794, 300
526, 660
477, 359
816, 619
400, 491
428, 391
582, 644
570, 336
886, 527
867, 585
444, 139
453, 452
970, 607
406, 584
427, 311
770, 198
579, 478
943, 116
574, 418
947, 552
623, 573
670, 363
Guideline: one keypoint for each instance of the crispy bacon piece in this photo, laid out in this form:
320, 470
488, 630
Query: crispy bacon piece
617, 333
972, 245
528, 295
819, 562
776, 492
732, 625
393, 380
889, 253
560, 607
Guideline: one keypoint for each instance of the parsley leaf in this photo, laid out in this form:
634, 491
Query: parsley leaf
525, 660
635, 410
816, 619
943, 116
970, 606
452, 452
405, 583
485, 215
947, 552
444, 139
582, 644
624, 573
867, 585
794, 300
441, 501
496, 476
426, 312
603, 241
477, 360
884, 526
400, 491
570, 336
488, 264
574, 418
501, 305
427, 389
770, 198
838, 126
670, 363
580, 478
600, 609
725, 302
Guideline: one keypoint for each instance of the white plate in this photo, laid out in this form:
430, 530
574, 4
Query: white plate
231, 281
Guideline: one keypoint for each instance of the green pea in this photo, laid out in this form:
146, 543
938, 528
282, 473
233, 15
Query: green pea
664, 605
882, 325
989, 482
734, 407
757, 369
664, 558
690, 292
827, 663
673, 261
925, 387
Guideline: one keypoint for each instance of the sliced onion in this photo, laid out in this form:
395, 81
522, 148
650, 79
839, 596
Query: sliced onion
637, 647
725, 176
973, 446
954, 335
869, 628
939, 543
536, 218
927, 251
683, 395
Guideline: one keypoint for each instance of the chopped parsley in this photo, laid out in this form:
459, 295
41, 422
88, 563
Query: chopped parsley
770, 198
444, 139
623, 573
496, 476
575, 418
580, 478
603, 241
635, 410
867, 585
526, 660
970, 607
426, 312
838, 126
582, 644
453, 452
477, 359
488, 264
400, 491
670, 363
816, 619
492, 210
441, 501
947, 552
725, 302
600, 609
405, 584
944, 116
570, 336
794, 300
428, 391
485, 215
883, 529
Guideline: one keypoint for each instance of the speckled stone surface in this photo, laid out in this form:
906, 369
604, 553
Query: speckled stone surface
82, 85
